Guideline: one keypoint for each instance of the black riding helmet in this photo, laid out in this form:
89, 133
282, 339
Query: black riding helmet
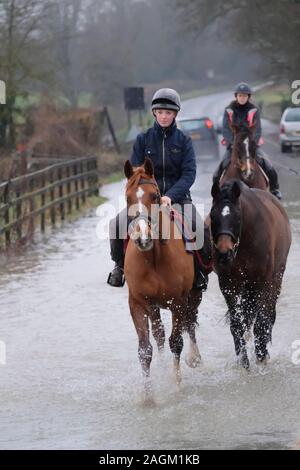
243, 88
166, 98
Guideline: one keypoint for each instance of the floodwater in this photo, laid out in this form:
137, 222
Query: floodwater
69, 373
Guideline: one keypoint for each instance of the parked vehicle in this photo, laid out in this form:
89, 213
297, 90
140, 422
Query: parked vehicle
290, 129
219, 123
204, 137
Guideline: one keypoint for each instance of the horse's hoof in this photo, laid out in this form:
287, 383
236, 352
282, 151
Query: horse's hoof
263, 361
193, 361
244, 361
248, 336
148, 393
297, 446
148, 399
177, 378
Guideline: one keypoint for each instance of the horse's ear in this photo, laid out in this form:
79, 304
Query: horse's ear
252, 129
215, 189
233, 124
148, 167
128, 170
235, 129
236, 190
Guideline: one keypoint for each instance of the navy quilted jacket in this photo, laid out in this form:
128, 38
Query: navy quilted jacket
173, 158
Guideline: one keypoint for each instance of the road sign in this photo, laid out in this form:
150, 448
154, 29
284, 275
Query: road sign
134, 98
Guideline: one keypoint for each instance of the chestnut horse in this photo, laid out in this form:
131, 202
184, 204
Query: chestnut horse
159, 273
251, 236
243, 164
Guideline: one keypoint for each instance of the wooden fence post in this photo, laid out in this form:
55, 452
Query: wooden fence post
64, 181
61, 194
69, 191
96, 179
82, 169
19, 212
52, 197
76, 186
32, 206
43, 200
6, 217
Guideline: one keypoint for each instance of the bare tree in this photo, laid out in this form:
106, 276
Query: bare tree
269, 27
62, 26
20, 56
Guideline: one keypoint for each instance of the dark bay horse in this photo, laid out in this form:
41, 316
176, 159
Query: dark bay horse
244, 165
159, 273
251, 236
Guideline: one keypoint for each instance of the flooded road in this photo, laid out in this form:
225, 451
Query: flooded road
71, 377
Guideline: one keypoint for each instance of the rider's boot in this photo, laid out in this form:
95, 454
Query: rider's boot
272, 175
222, 166
203, 265
116, 277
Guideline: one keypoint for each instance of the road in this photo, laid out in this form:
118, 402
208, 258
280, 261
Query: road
70, 377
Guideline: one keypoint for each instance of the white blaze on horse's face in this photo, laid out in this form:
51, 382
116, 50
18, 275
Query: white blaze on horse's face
143, 229
225, 211
246, 142
143, 241
142, 224
139, 194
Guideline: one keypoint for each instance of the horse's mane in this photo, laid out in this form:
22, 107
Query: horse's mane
226, 188
242, 131
133, 181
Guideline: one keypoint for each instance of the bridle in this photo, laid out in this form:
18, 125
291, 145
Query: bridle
237, 239
134, 220
236, 245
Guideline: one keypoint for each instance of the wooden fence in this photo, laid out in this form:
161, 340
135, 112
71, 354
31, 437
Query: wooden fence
51, 193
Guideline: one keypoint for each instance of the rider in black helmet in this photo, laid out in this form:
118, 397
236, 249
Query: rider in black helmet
174, 163
240, 108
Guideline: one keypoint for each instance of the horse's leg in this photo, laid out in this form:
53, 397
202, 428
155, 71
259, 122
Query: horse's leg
158, 329
262, 328
193, 358
238, 329
140, 319
176, 339
249, 311
264, 323
237, 324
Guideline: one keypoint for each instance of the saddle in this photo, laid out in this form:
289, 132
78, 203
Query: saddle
259, 167
183, 225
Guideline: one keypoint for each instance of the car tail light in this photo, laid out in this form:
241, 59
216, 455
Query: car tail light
282, 129
209, 123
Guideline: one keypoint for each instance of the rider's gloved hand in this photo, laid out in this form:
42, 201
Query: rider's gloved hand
166, 201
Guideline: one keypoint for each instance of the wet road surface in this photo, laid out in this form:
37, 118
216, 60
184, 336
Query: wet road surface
71, 377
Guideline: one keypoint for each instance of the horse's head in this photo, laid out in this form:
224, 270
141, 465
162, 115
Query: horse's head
226, 220
244, 149
143, 199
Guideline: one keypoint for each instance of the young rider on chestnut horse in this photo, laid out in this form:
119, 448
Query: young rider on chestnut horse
173, 159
